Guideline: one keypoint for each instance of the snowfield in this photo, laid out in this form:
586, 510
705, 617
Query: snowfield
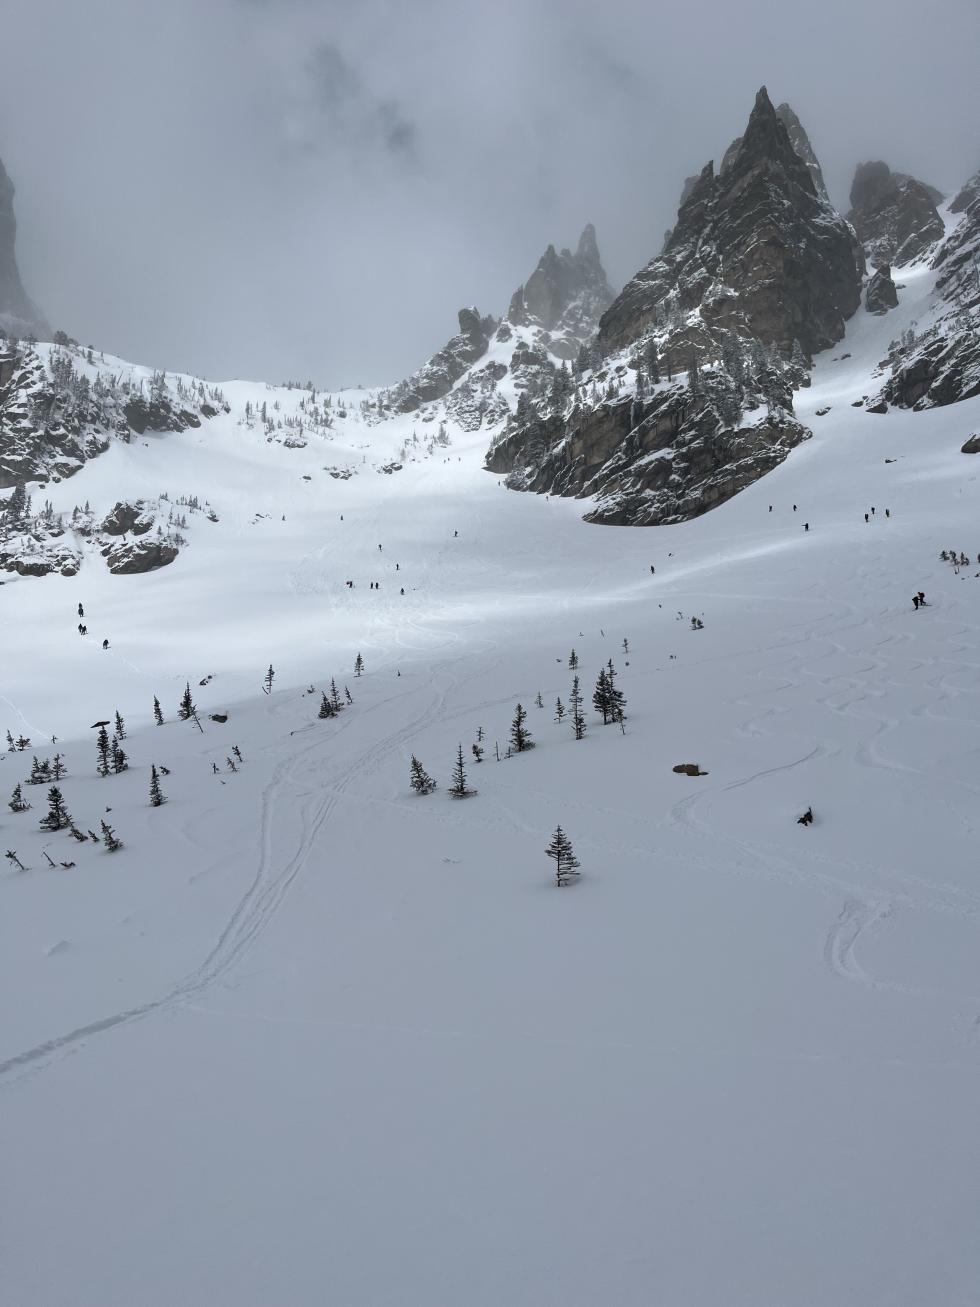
309, 1038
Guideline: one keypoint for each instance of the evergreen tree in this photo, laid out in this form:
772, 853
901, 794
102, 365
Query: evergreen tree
17, 801
538, 701
157, 796
559, 709
520, 736
187, 708
102, 745
477, 753
335, 696
57, 817
37, 775
421, 781
326, 707
617, 700
358, 665
600, 696
270, 676
120, 726
57, 768
347, 695
566, 863
120, 762
575, 703
109, 838
459, 789
573, 660
157, 711
10, 742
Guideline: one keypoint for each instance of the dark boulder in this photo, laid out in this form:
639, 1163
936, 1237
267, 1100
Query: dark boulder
881, 294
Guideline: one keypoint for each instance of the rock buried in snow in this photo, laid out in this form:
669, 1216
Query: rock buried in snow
972, 446
689, 769
218, 716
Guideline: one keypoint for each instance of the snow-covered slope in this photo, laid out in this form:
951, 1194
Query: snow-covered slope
309, 1038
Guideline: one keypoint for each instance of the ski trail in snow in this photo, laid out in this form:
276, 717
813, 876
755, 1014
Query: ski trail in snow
270, 884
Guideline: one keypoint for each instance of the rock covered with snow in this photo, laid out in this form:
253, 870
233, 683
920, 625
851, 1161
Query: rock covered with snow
894, 215
969, 192
755, 248
19, 316
438, 376
939, 362
881, 294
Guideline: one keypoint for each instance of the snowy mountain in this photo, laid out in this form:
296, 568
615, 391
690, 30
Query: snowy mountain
287, 1025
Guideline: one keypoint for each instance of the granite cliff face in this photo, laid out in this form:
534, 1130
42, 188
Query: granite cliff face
756, 249
894, 215
19, 316
438, 376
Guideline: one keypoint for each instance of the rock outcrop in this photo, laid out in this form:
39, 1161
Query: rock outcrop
19, 316
969, 192
57, 410
881, 294
438, 376
940, 364
755, 249
125, 557
670, 460
971, 446
894, 215
565, 296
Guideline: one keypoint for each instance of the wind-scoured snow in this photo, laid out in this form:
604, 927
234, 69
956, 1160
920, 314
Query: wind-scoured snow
309, 1038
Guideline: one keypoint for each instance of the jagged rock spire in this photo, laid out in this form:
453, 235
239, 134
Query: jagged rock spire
566, 293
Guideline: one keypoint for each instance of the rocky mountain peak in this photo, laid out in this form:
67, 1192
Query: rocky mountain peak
756, 248
18, 315
801, 144
564, 295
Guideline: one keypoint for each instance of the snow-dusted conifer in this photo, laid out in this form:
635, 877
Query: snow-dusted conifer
187, 708
157, 796
358, 665
157, 711
17, 801
459, 789
559, 709
109, 838
57, 817
326, 707
520, 736
102, 745
575, 703
421, 781
120, 726
566, 863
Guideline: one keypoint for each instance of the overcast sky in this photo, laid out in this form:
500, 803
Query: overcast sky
311, 188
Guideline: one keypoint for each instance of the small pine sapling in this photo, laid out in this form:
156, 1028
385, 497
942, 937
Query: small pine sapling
578, 717
158, 711
335, 696
11, 856
421, 781
77, 834
157, 796
57, 817
270, 676
538, 701
10, 742
477, 753
459, 789
120, 726
58, 768
520, 736
102, 745
559, 709
109, 838
120, 761
187, 707
326, 707
231, 764
573, 660
237, 752
358, 665
566, 863
600, 696
17, 801
479, 735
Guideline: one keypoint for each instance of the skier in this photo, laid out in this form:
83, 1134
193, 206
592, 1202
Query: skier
379, 549
653, 569
455, 533
105, 644
922, 598
794, 508
770, 508
402, 591
81, 611
872, 510
888, 512
806, 819
81, 628
866, 518
806, 526
915, 602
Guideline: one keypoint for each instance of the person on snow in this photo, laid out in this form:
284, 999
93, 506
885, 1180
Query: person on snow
915, 602
81, 611
922, 598
806, 526
105, 644
81, 628
806, 819
866, 517
653, 569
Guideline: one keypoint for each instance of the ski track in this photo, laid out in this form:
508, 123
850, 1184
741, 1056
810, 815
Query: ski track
271, 883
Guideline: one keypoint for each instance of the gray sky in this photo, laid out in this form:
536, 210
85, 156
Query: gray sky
312, 188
